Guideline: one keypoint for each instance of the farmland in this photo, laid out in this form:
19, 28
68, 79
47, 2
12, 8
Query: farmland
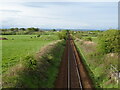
32, 52
15, 50
35, 56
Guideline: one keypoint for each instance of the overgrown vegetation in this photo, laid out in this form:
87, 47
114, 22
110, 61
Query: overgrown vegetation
108, 41
88, 39
38, 71
20, 66
62, 34
99, 54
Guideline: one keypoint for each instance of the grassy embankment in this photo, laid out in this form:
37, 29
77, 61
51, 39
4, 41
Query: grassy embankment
18, 46
97, 64
26, 68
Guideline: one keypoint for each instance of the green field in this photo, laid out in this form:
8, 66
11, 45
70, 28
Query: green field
18, 46
30, 59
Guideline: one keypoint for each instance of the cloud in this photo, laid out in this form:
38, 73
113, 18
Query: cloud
10, 11
34, 4
59, 15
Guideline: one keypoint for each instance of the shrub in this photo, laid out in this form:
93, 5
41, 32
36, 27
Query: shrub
62, 34
38, 35
108, 41
30, 62
88, 39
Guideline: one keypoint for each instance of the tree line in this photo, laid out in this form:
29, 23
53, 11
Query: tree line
14, 31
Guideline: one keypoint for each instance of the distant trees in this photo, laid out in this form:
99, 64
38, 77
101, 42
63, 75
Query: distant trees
16, 29
22, 29
3, 31
108, 41
32, 29
63, 34
53, 30
13, 31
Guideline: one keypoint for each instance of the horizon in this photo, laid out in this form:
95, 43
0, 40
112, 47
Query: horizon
55, 15
78, 29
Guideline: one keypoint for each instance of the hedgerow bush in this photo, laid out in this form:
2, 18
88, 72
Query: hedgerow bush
88, 39
109, 41
62, 34
30, 62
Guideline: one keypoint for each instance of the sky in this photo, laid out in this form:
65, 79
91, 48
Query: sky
59, 15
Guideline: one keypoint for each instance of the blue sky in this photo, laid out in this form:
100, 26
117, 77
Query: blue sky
69, 15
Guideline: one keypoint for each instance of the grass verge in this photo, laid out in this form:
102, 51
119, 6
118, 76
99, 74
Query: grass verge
39, 71
98, 65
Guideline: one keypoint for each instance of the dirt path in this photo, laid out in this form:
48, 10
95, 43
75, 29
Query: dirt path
72, 73
63, 71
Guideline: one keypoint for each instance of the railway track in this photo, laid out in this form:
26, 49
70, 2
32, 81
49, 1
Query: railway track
72, 72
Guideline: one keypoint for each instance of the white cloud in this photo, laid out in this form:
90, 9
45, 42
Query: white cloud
17, 14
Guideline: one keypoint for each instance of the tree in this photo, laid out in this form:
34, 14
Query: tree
12, 29
63, 34
16, 29
23, 29
53, 30
32, 29
3, 31
108, 41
